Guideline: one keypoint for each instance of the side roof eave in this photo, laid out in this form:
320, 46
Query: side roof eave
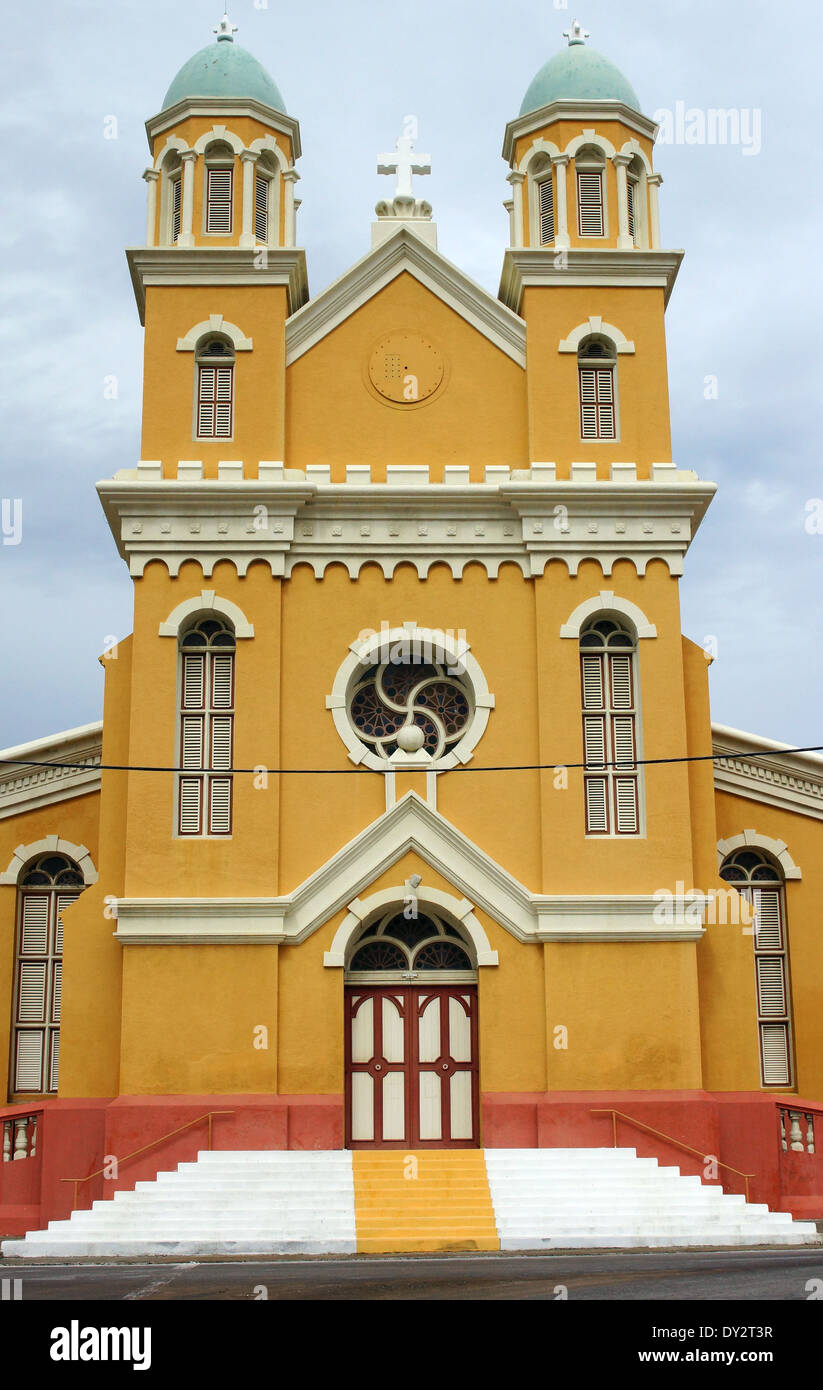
405, 251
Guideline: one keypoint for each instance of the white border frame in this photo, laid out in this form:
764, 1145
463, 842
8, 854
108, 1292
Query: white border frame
607, 602
460, 910
215, 323
53, 844
595, 325
206, 601
753, 839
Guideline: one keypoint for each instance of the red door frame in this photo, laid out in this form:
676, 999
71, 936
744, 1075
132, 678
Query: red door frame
414, 999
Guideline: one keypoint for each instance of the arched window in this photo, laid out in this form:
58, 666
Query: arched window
636, 193
609, 686
206, 719
590, 166
265, 199
398, 946
214, 367
759, 879
46, 887
597, 369
219, 169
542, 199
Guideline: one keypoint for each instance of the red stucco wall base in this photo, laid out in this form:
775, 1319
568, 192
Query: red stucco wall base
78, 1137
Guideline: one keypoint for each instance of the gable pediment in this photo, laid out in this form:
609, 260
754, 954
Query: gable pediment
405, 252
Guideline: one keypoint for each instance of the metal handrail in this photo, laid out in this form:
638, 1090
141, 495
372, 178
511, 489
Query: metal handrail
670, 1140
163, 1137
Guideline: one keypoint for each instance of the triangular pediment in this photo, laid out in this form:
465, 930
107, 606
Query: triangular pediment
405, 252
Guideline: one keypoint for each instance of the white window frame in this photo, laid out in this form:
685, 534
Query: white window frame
206, 775
219, 164
203, 361
586, 163
612, 775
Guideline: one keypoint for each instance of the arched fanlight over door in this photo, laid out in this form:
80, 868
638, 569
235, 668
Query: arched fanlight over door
397, 947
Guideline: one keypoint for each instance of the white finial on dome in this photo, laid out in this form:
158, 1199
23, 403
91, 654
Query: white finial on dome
225, 29
576, 34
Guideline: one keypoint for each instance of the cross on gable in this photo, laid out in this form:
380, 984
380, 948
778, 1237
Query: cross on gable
404, 162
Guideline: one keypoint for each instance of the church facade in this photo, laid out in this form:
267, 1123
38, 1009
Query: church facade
406, 824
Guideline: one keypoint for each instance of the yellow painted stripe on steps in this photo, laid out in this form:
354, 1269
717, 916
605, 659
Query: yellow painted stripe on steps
422, 1200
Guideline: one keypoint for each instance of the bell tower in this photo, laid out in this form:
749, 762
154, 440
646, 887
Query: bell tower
220, 271
584, 224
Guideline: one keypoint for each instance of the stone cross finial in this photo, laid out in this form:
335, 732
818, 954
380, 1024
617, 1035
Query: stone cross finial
576, 34
225, 29
404, 162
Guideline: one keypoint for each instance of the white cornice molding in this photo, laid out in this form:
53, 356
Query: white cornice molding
524, 267
223, 107
520, 520
411, 825
405, 251
775, 777
586, 112
25, 788
214, 266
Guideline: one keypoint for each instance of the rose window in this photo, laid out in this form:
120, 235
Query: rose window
399, 695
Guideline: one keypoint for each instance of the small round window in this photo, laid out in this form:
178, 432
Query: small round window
401, 695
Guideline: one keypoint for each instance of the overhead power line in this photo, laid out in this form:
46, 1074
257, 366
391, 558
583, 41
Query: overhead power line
343, 771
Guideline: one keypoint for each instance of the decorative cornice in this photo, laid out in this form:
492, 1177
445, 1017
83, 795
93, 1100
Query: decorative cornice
524, 267
520, 519
218, 265
411, 825
225, 106
587, 112
777, 777
25, 788
403, 251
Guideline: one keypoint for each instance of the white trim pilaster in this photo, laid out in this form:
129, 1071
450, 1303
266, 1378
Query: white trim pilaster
654, 181
625, 241
561, 232
248, 159
152, 177
186, 237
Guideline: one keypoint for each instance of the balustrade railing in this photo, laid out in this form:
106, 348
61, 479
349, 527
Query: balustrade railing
19, 1137
797, 1129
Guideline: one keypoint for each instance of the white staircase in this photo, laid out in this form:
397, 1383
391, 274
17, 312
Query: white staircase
258, 1202
562, 1199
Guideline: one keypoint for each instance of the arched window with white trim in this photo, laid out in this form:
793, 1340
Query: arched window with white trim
171, 198
597, 387
219, 190
265, 199
590, 171
636, 195
214, 373
759, 879
206, 728
48, 885
608, 677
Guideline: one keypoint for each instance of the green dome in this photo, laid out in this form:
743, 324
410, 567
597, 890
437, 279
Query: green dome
224, 69
578, 73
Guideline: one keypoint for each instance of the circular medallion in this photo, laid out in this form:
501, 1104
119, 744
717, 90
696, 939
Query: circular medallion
405, 368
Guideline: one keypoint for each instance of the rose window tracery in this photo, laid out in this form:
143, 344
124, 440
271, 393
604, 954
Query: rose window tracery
396, 695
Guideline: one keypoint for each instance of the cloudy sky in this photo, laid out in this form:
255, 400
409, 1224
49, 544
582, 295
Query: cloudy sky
744, 311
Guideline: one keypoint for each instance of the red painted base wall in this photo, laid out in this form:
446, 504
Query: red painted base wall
78, 1137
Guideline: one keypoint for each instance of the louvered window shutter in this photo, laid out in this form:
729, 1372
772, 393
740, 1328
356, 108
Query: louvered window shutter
192, 741
28, 1068
767, 919
176, 195
207, 380
625, 799
190, 798
218, 211
63, 900
597, 816
55, 1060
621, 677
592, 682
774, 1053
590, 203
771, 986
194, 682
220, 806
31, 997
223, 402
221, 738
222, 681
588, 403
630, 192
546, 211
594, 740
605, 403
623, 741
261, 208
35, 927
56, 991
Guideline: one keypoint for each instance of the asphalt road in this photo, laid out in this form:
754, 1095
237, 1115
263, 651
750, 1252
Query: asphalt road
771, 1275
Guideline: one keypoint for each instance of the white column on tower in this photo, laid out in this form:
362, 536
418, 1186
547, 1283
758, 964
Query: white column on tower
248, 159
561, 231
290, 178
186, 237
516, 179
621, 163
152, 177
654, 181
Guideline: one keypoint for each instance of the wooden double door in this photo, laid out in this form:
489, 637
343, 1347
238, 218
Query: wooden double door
411, 1066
